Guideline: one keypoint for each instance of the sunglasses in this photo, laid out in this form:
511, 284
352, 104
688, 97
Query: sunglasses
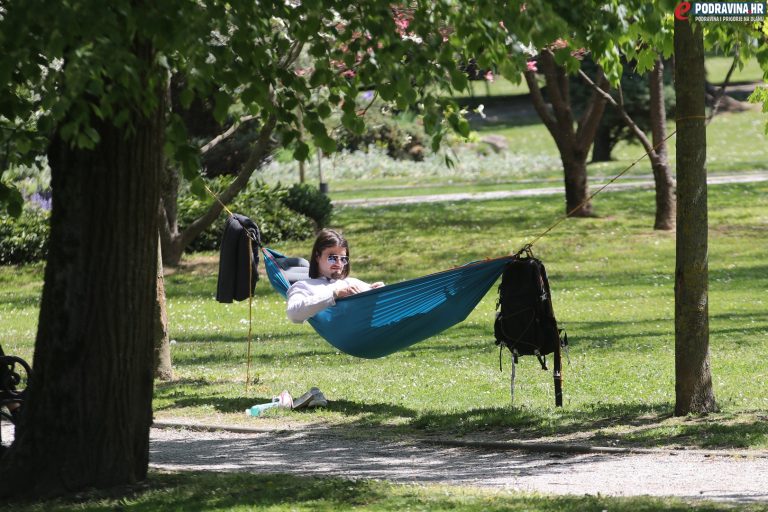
335, 258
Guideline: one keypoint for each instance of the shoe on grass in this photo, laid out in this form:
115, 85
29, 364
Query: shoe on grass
318, 400
305, 399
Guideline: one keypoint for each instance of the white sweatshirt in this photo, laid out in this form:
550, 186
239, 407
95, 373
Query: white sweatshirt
309, 297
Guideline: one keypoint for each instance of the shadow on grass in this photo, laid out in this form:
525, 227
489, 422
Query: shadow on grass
174, 392
196, 491
638, 425
528, 423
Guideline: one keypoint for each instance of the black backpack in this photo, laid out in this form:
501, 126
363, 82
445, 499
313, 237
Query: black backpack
525, 321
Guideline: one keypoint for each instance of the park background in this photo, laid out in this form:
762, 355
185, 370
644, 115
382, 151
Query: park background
612, 278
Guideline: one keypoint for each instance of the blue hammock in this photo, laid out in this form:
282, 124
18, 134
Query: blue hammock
384, 320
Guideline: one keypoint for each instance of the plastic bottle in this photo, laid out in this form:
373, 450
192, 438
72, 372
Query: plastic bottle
258, 409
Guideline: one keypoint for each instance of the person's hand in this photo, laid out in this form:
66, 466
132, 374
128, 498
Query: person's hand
346, 291
377, 284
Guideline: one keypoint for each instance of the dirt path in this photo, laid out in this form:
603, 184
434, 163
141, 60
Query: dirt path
319, 452
625, 184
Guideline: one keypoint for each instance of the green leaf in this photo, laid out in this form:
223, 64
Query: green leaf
459, 80
645, 60
197, 187
301, 153
222, 101
437, 139
186, 96
510, 71
387, 91
327, 144
12, 198
324, 110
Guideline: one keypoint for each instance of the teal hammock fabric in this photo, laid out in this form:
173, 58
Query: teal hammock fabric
384, 320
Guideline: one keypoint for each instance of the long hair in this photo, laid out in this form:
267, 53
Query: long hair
327, 238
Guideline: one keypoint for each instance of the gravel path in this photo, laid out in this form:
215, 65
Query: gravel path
696, 475
624, 184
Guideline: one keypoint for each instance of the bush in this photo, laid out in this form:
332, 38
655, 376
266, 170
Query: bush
401, 140
262, 203
25, 239
309, 201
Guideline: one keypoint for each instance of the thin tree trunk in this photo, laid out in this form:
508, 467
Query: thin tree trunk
163, 367
693, 378
89, 409
666, 200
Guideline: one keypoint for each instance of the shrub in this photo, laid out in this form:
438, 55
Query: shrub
25, 239
261, 202
309, 201
400, 139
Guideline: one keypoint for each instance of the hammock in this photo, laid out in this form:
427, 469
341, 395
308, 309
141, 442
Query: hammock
384, 320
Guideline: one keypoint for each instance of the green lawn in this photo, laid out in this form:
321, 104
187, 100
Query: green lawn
717, 68
612, 280
276, 493
736, 142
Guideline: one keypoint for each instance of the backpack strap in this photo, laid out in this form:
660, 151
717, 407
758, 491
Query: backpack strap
557, 374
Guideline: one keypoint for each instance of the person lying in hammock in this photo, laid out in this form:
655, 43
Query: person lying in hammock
329, 278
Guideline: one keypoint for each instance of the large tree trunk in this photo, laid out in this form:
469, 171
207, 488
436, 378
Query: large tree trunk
87, 417
666, 201
573, 138
693, 379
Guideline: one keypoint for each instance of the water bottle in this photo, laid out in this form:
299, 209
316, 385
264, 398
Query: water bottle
258, 409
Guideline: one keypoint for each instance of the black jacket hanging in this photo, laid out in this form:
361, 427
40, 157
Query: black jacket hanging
239, 231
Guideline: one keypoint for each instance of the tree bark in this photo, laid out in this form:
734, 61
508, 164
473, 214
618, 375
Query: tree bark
89, 409
163, 367
573, 138
602, 148
693, 378
666, 200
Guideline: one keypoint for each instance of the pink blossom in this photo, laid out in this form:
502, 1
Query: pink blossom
559, 44
300, 71
348, 73
531, 64
489, 76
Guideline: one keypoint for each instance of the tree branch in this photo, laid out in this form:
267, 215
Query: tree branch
261, 150
226, 134
539, 104
561, 109
721, 91
622, 111
593, 113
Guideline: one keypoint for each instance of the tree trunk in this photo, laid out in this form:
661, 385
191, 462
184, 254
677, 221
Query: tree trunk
693, 379
601, 149
89, 409
163, 368
576, 187
666, 201
573, 138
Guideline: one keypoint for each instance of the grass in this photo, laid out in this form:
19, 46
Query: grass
612, 281
242, 492
717, 68
737, 142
